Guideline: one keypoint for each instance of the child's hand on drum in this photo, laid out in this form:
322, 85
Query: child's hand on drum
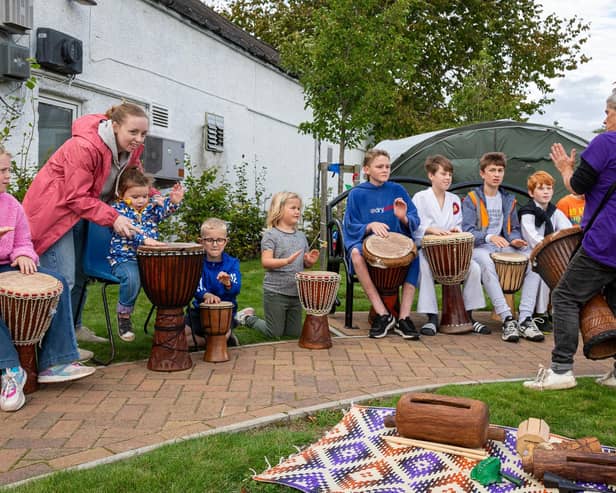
211, 298
5, 229
224, 279
379, 229
518, 243
311, 257
436, 231
153, 242
499, 241
400, 208
26, 264
177, 193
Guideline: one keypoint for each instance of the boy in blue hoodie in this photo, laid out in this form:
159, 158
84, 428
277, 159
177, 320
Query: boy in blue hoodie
491, 215
379, 207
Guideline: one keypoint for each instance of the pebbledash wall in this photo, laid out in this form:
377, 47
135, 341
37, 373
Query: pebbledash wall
176, 57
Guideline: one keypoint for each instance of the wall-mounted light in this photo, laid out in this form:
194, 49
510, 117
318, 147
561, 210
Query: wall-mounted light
86, 2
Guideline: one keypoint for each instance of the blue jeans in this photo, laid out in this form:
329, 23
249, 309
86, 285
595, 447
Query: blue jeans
65, 257
58, 346
130, 284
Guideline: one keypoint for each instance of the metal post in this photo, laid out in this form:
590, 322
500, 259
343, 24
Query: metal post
323, 229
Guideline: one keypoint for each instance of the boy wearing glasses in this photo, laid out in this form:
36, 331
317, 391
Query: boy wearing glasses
221, 280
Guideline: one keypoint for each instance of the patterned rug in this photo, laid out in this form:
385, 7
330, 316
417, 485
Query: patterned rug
352, 458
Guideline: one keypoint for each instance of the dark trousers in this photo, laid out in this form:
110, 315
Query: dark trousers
583, 279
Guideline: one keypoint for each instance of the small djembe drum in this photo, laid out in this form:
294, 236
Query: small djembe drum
388, 259
510, 268
317, 293
216, 321
449, 257
169, 275
597, 322
27, 305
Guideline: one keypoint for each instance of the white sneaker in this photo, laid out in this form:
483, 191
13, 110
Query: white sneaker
609, 380
546, 379
84, 354
84, 334
242, 315
529, 330
12, 397
65, 373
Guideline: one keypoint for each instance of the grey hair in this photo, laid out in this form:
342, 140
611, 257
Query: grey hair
611, 99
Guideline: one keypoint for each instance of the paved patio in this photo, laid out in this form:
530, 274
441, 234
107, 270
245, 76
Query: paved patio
125, 409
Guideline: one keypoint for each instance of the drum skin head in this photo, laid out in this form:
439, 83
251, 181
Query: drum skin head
28, 284
509, 257
395, 250
171, 247
449, 238
217, 306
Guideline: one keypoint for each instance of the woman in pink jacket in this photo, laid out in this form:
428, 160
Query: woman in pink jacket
75, 185
57, 354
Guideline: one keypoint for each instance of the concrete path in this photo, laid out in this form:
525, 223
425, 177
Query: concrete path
125, 407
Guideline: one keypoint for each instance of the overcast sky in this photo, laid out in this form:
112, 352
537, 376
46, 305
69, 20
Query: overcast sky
580, 95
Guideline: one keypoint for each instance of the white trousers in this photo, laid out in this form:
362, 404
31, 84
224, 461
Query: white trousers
472, 292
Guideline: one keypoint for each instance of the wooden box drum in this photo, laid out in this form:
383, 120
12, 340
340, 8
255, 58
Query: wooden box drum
216, 321
449, 257
388, 261
169, 276
27, 305
511, 269
317, 293
597, 322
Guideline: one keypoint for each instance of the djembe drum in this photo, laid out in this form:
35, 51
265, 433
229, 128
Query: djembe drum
388, 261
597, 322
216, 322
169, 275
511, 269
27, 305
449, 257
317, 293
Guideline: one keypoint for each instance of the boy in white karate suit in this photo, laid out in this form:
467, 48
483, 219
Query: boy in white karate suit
440, 213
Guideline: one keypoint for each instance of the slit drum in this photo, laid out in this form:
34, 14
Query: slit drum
216, 321
317, 293
449, 257
169, 276
597, 322
388, 261
27, 305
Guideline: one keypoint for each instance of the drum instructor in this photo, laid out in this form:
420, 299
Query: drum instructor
75, 185
593, 268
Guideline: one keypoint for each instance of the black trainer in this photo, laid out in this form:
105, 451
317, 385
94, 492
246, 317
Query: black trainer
543, 321
232, 340
480, 328
381, 325
406, 329
125, 329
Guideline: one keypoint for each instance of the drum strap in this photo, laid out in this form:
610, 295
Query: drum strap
606, 197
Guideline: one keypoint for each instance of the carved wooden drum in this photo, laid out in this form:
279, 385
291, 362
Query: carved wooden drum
216, 321
317, 293
27, 305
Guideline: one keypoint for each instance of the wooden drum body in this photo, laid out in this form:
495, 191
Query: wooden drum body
597, 322
388, 261
27, 305
511, 269
449, 257
317, 293
216, 321
169, 276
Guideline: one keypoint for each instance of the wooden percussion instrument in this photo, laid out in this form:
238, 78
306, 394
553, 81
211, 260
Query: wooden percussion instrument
388, 261
317, 293
444, 419
531, 432
449, 258
27, 305
511, 268
216, 321
575, 465
597, 322
169, 275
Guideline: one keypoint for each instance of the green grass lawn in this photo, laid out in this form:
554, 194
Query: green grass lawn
225, 462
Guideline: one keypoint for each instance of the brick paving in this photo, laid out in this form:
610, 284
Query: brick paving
125, 407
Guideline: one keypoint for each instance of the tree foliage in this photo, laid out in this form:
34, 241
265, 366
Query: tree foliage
395, 68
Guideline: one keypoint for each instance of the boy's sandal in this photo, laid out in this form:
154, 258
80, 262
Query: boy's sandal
480, 328
428, 329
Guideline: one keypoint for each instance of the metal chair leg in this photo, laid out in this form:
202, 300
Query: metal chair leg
147, 320
109, 328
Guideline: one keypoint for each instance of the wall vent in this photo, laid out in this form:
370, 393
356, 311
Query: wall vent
214, 132
160, 116
16, 16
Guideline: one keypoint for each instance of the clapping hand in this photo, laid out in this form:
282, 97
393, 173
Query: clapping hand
177, 193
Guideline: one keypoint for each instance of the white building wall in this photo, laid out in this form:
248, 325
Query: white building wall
137, 50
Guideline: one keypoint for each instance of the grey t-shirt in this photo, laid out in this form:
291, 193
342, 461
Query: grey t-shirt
282, 280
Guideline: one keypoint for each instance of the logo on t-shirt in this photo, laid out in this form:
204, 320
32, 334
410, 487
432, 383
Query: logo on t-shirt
381, 210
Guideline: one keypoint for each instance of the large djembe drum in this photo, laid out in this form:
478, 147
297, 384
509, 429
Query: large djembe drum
597, 322
317, 293
27, 305
216, 321
388, 259
511, 269
449, 257
169, 276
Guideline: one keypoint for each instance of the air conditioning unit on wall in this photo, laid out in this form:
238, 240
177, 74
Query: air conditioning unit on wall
16, 16
58, 52
164, 158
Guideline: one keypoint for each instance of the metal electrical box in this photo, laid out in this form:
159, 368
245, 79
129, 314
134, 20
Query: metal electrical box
58, 52
164, 158
16, 16
14, 61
